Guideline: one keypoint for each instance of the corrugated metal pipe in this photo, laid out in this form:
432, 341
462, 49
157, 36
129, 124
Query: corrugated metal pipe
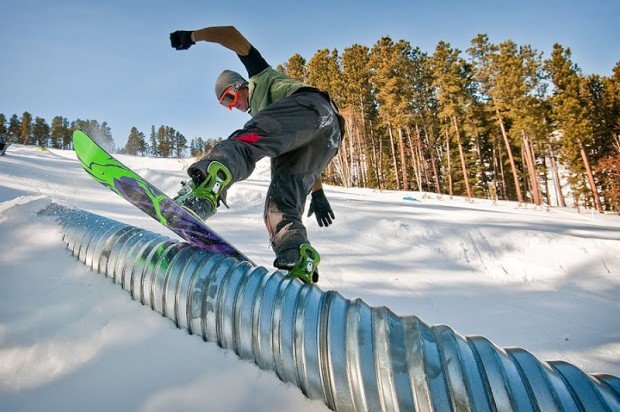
343, 352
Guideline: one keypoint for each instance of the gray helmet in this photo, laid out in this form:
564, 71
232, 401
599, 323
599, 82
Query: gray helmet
226, 79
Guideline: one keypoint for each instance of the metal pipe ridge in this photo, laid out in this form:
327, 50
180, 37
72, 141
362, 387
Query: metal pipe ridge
351, 356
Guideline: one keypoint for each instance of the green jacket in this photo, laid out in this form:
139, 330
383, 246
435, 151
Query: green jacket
268, 87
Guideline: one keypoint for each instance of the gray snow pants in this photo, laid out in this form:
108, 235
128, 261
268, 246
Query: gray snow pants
300, 133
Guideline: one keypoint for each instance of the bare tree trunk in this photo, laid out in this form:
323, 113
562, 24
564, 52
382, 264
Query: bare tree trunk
342, 165
363, 145
432, 156
416, 161
449, 163
545, 171
403, 162
362, 157
375, 164
556, 177
335, 169
422, 165
380, 163
483, 175
437, 148
512, 160
547, 191
597, 200
536, 180
462, 155
394, 156
351, 134
348, 151
502, 174
576, 201
526, 182
362, 161
495, 170
531, 166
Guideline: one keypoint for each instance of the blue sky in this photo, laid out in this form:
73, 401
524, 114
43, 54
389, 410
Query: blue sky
111, 60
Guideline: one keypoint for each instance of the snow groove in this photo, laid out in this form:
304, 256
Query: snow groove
345, 353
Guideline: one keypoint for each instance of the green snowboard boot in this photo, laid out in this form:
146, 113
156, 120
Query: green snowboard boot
202, 201
305, 268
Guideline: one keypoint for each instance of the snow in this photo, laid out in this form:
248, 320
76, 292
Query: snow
544, 280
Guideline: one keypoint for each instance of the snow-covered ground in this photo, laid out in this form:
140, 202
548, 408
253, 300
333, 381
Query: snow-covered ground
544, 280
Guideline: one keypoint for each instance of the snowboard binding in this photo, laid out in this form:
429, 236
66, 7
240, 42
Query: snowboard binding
202, 201
305, 268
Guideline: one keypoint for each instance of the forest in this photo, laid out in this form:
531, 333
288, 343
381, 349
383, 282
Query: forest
498, 121
495, 121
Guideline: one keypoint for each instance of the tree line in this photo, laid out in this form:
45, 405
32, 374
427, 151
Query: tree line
164, 141
497, 120
36, 131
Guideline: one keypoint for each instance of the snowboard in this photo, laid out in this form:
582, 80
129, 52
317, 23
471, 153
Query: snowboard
126, 183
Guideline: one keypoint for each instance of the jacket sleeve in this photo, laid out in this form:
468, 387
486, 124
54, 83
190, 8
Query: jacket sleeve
231, 38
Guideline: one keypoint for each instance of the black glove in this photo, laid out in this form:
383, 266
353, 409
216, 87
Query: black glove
181, 39
320, 206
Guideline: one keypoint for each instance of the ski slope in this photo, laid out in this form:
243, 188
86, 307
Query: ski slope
544, 280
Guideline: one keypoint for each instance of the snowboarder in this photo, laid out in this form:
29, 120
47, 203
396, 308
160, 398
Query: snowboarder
296, 125
4, 144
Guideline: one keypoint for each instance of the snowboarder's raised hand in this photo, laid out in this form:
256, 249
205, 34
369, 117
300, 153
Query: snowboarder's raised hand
321, 208
181, 39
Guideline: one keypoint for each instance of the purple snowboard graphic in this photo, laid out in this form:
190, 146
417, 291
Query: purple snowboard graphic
108, 171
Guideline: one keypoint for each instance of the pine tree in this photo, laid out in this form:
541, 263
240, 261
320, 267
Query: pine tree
570, 112
164, 146
602, 108
391, 71
40, 132
180, 144
323, 72
14, 128
522, 81
3, 129
136, 143
154, 147
478, 124
489, 71
357, 108
58, 132
200, 146
451, 80
172, 142
611, 92
25, 128
425, 109
608, 166
192, 147
67, 139
295, 68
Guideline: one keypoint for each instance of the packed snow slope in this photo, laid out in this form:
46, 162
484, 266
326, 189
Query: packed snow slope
544, 280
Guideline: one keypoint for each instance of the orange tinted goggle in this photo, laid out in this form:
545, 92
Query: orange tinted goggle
229, 97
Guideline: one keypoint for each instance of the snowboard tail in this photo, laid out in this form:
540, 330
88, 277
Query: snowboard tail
126, 183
